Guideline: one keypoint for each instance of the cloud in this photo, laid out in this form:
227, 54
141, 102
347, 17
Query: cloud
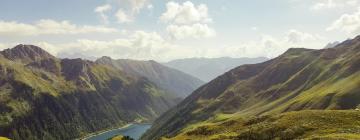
152, 46
49, 27
186, 13
122, 17
101, 10
137, 5
294, 36
3, 46
150, 7
194, 31
126, 10
270, 46
332, 4
187, 20
349, 23
139, 45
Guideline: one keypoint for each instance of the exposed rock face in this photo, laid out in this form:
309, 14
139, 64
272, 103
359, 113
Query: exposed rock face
26, 53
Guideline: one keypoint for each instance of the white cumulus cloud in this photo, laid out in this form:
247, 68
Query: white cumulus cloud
122, 17
139, 45
349, 23
126, 10
137, 5
332, 4
187, 20
151, 46
186, 13
294, 36
101, 10
194, 31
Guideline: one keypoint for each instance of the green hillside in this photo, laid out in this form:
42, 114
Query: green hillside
292, 125
299, 79
43, 97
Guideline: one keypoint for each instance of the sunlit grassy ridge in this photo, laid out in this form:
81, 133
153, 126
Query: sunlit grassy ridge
292, 125
4, 138
299, 79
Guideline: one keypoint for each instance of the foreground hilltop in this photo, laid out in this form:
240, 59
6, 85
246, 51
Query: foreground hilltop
299, 79
43, 97
315, 124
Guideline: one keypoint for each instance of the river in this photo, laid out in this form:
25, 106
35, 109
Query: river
133, 130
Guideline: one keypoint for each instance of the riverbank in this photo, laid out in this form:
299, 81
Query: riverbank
134, 130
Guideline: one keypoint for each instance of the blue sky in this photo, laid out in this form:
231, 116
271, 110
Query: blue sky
164, 30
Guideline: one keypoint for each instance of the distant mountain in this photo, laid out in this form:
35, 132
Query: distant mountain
331, 45
299, 79
174, 81
208, 69
43, 97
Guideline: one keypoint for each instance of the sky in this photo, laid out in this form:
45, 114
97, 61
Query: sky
165, 30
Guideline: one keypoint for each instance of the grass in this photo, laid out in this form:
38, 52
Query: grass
300, 79
313, 124
4, 138
119, 137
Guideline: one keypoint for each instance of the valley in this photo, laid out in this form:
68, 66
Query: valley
180, 70
131, 130
300, 79
44, 97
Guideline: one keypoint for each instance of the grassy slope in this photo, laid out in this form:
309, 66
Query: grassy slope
300, 79
4, 138
119, 137
291, 125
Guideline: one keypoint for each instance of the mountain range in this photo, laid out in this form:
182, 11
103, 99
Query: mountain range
208, 69
302, 94
44, 97
174, 81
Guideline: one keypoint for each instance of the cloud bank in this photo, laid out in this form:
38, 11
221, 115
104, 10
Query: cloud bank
49, 27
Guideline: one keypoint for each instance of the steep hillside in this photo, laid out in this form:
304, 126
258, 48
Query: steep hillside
174, 81
300, 79
42, 97
208, 69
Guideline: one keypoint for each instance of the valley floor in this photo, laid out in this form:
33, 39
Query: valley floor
314, 124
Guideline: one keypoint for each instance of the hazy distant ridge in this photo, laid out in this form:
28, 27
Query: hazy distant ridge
207, 69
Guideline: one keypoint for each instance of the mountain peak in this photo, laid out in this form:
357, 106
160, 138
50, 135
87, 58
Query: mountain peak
26, 53
292, 51
105, 58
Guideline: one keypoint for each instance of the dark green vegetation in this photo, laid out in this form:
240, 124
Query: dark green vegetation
43, 97
174, 81
121, 138
300, 79
208, 69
